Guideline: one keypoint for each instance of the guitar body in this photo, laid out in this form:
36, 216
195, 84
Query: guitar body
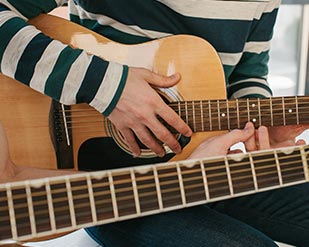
202, 77
24, 115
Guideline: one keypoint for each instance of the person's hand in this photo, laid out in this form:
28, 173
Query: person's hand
138, 108
275, 137
220, 145
282, 136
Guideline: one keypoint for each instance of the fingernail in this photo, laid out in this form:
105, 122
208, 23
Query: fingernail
174, 76
262, 129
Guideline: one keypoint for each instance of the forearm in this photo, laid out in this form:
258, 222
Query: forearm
53, 68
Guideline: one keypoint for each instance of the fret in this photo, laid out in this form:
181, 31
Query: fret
283, 112
291, 165
192, 183
248, 110
30, 208
278, 168
190, 118
205, 182
186, 108
194, 117
241, 173
113, 195
254, 111
205, 115
216, 174
210, 115
265, 170
229, 177
243, 109
259, 111
157, 181
148, 190
50, 205
71, 202
40, 208
124, 193
202, 115
169, 186
61, 204
297, 112
181, 185
11, 211
223, 115
256, 187
91, 199
182, 110
228, 115
5, 218
219, 115
303, 108
135, 192
290, 110
237, 109
21, 212
265, 112
277, 110
214, 115
102, 195
81, 201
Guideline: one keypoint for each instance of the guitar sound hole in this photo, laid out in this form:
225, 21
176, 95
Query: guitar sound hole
104, 153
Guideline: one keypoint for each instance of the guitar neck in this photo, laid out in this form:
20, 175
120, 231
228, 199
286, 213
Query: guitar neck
42, 207
213, 115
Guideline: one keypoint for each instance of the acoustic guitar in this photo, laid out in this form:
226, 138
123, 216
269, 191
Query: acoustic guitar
51, 133
37, 208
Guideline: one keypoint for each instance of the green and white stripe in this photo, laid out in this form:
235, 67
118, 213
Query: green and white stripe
239, 30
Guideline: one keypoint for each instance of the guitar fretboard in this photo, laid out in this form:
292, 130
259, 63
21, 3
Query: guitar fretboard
211, 115
42, 207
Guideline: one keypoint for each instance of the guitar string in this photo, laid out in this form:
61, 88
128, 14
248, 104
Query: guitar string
177, 181
213, 109
214, 118
125, 207
275, 112
241, 164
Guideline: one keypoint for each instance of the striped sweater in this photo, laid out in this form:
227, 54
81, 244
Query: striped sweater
239, 30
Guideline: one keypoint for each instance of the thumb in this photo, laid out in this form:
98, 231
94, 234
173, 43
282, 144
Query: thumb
157, 80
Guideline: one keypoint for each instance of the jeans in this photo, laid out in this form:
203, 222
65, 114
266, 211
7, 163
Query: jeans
254, 220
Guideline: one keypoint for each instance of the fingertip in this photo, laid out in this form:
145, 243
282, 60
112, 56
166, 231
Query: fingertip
188, 133
263, 129
249, 125
176, 76
301, 142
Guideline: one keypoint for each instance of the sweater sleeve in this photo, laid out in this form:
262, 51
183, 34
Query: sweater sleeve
249, 78
68, 75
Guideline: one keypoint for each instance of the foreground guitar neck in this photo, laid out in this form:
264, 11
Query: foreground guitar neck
43, 207
213, 115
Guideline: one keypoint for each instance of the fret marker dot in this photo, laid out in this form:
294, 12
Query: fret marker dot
253, 105
290, 110
254, 120
223, 115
